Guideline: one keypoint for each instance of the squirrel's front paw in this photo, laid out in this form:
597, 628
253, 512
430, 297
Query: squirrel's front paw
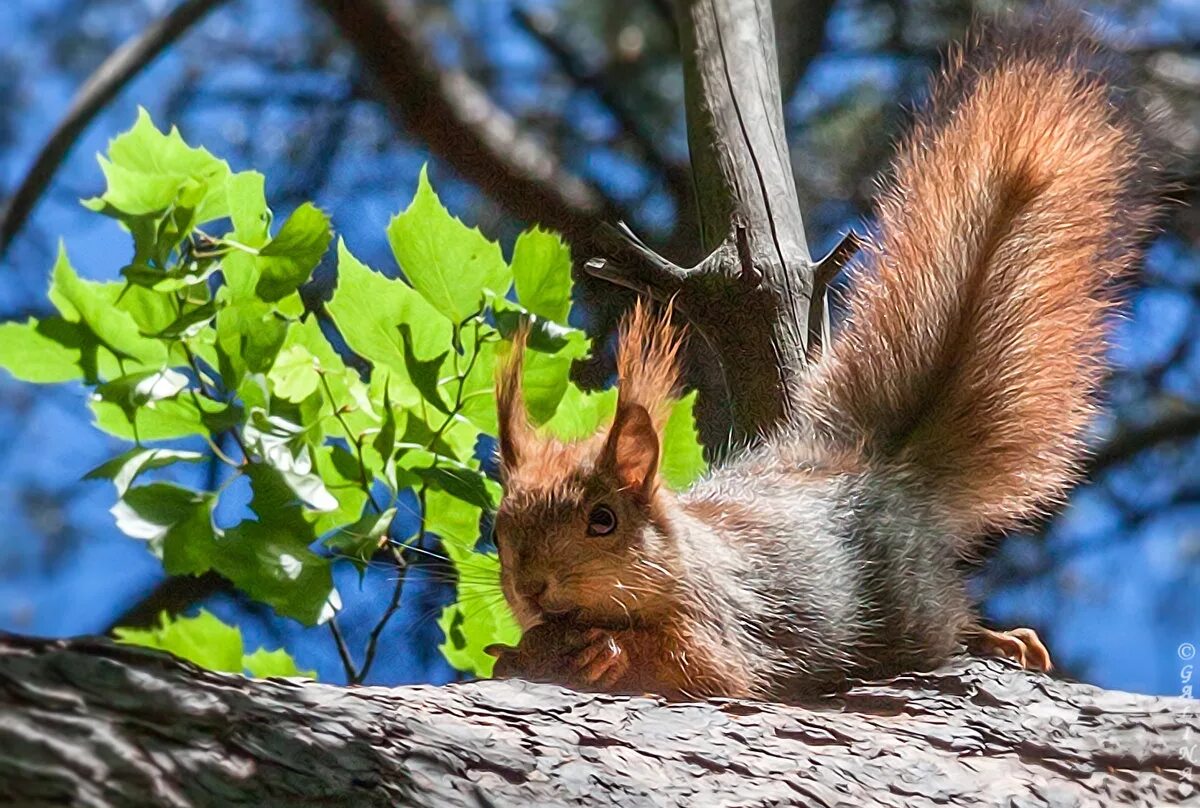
586, 658
601, 663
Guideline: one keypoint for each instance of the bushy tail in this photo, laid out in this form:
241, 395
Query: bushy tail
974, 334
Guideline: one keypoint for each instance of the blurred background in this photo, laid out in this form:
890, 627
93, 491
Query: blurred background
592, 94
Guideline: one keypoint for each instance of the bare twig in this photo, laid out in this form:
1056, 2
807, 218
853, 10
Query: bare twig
828, 268
399, 553
355, 440
114, 73
343, 652
397, 593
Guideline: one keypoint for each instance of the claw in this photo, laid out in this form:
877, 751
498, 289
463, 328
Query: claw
1021, 645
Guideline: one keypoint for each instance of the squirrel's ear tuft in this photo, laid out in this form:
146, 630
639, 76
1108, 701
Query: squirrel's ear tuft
647, 361
515, 432
632, 450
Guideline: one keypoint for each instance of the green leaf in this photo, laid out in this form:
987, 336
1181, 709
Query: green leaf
212, 644
456, 522
296, 374
273, 565
450, 264
423, 374
346, 389
139, 389
284, 447
47, 351
551, 350
581, 414
263, 663
249, 336
480, 616
269, 558
188, 414
453, 477
288, 260
202, 639
541, 269
369, 310
478, 400
92, 304
177, 278
248, 208
149, 171
176, 522
384, 442
125, 468
190, 323
361, 540
470, 627
457, 441
339, 471
682, 455
545, 379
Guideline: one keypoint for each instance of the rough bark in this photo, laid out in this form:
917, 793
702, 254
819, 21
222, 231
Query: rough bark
757, 298
84, 722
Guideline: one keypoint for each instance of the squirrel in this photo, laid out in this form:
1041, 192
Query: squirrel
950, 405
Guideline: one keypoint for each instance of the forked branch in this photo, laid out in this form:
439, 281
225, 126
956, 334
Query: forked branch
756, 297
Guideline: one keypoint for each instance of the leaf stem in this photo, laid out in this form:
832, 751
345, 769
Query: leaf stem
237, 437
397, 592
364, 479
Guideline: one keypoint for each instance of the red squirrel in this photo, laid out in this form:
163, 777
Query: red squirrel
950, 404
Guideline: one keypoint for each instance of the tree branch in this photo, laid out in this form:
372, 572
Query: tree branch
1127, 443
751, 297
87, 722
101, 87
452, 115
678, 177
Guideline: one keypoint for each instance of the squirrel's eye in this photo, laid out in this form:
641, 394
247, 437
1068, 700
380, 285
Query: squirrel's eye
601, 521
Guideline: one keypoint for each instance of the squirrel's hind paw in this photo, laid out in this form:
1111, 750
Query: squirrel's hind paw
1022, 645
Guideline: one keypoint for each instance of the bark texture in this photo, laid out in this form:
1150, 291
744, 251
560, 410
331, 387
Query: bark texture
85, 722
757, 298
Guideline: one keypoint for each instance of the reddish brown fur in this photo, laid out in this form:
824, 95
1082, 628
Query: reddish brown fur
550, 485
972, 346
647, 361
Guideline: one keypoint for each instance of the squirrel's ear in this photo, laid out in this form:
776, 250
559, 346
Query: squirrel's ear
632, 450
515, 432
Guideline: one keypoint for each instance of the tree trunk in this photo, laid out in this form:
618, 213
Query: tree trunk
85, 722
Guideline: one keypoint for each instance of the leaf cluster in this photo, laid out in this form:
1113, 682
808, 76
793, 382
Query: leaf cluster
205, 340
